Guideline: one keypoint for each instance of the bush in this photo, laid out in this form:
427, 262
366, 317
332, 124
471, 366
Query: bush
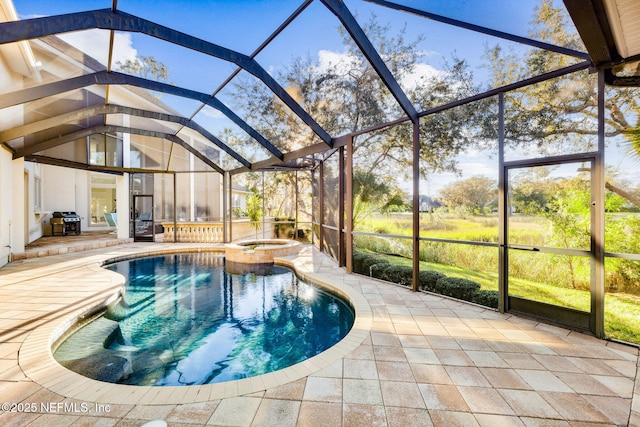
284, 227
428, 280
377, 270
400, 274
362, 263
371, 265
359, 259
457, 287
486, 298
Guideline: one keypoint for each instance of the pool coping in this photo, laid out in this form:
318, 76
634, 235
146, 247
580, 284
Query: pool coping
38, 364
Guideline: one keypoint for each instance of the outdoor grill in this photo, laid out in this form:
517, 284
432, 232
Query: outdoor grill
65, 222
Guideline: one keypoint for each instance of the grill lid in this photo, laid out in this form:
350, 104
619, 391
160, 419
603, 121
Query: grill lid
68, 214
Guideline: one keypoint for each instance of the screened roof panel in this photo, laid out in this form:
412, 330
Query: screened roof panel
89, 48
75, 151
508, 16
149, 152
54, 132
152, 101
135, 122
302, 62
182, 160
47, 108
27, 9
63, 103
231, 134
425, 56
54, 59
221, 22
176, 65
328, 75
209, 150
266, 113
206, 148
48, 117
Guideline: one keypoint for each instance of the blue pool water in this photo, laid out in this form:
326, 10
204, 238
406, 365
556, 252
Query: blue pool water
185, 320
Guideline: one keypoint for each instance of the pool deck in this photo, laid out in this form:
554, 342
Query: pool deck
412, 359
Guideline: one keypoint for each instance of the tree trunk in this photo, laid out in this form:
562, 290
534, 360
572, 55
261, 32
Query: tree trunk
622, 193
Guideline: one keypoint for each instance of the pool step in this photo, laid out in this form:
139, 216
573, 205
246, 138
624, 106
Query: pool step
84, 352
88, 340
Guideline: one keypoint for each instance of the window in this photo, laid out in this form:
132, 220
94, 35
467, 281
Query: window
104, 150
103, 197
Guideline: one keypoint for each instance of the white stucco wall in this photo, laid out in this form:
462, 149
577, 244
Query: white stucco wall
18, 226
32, 213
67, 189
6, 214
122, 205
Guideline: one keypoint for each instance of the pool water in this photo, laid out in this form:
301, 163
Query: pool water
184, 320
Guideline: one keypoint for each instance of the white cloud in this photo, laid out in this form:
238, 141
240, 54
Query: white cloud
95, 43
211, 113
419, 72
328, 59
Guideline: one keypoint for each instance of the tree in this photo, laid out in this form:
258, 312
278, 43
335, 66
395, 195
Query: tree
281, 188
371, 195
146, 67
562, 111
254, 208
344, 94
472, 193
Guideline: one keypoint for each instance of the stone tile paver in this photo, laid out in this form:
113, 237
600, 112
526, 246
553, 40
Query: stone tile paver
365, 392
281, 413
422, 360
235, 411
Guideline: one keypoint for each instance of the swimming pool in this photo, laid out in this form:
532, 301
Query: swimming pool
184, 320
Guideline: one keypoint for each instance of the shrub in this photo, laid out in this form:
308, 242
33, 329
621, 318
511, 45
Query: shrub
487, 298
457, 287
428, 280
284, 227
359, 259
377, 270
400, 274
362, 262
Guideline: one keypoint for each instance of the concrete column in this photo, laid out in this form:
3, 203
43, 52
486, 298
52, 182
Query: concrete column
6, 209
18, 223
122, 205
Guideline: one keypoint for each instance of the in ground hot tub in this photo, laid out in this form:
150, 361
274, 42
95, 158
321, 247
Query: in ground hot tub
260, 251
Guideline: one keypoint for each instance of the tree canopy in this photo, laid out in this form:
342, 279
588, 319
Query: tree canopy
473, 193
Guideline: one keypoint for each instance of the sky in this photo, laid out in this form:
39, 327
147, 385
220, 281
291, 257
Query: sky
242, 25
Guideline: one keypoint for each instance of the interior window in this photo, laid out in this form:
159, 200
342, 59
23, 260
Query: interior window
103, 198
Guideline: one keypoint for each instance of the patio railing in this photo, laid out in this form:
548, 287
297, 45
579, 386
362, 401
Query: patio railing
196, 232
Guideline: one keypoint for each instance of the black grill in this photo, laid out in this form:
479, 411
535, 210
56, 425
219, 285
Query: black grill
65, 223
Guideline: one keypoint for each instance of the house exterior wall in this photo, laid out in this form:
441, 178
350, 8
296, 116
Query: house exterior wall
31, 192
6, 211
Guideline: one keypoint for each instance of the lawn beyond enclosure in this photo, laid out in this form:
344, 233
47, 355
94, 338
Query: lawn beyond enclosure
554, 279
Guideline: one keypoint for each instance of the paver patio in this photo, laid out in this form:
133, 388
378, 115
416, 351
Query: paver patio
416, 360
